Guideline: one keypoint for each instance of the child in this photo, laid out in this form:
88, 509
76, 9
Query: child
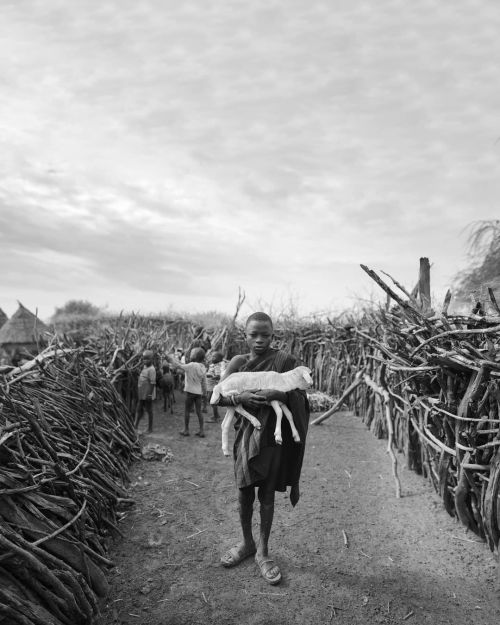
214, 372
146, 387
195, 387
259, 463
166, 384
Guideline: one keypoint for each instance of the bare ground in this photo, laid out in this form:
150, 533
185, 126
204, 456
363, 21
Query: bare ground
406, 561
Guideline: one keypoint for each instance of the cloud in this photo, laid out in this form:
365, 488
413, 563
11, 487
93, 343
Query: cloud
185, 149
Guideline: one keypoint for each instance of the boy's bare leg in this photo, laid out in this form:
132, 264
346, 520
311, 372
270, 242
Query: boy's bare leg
266, 499
197, 405
187, 410
246, 497
139, 411
269, 570
246, 547
149, 409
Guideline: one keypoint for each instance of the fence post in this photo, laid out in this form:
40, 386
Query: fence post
424, 284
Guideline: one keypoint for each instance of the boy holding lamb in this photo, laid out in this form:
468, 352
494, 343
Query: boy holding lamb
259, 462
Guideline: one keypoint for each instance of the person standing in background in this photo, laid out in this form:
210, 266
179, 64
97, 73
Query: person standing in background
195, 387
146, 387
214, 372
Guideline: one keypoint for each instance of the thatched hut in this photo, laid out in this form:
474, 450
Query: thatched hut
3, 318
22, 334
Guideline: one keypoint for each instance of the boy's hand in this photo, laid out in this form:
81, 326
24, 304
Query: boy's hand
271, 394
251, 399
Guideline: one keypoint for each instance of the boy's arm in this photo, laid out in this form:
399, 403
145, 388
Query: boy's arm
234, 366
175, 363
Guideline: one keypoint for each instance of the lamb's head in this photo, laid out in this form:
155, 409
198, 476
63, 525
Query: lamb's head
304, 378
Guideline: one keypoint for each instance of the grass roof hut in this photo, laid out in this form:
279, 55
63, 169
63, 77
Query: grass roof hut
3, 318
22, 333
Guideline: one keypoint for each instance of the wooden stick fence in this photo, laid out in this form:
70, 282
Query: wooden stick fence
430, 383
66, 440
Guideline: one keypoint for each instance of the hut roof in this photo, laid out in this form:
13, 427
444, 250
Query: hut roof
3, 317
22, 327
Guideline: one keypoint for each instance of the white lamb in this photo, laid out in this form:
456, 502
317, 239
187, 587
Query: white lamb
298, 378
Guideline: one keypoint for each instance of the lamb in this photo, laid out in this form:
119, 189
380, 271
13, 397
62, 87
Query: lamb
298, 378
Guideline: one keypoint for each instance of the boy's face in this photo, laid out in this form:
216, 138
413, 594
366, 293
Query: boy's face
259, 335
147, 360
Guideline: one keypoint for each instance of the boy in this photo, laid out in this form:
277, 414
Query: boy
214, 372
146, 387
166, 384
195, 387
258, 461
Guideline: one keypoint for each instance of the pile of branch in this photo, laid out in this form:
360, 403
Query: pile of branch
430, 382
66, 440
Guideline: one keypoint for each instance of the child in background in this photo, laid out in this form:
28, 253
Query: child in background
214, 372
146, 387
195, 387
166, 385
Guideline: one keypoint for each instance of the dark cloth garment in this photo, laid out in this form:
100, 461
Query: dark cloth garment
254, 449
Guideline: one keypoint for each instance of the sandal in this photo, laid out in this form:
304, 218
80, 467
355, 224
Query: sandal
266, 565
184, 433
234, 556
200, 434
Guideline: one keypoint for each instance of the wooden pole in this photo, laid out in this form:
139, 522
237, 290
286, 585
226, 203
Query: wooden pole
424, 284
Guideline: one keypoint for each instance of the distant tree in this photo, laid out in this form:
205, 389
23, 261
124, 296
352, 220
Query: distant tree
77, 307
484, 268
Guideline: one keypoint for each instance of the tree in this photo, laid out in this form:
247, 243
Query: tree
484, 254
77, 307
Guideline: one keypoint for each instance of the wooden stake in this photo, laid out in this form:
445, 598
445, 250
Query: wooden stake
384, 393
424, 284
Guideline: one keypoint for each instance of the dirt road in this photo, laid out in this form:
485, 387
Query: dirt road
406, 561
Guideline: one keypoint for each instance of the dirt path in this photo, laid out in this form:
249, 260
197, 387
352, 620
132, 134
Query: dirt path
407, 560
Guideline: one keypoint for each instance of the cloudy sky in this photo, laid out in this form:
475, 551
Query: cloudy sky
158, 154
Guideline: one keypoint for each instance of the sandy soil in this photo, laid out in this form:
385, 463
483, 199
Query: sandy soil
406, 561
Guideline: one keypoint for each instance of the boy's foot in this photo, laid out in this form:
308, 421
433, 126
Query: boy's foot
184, 433
212, 420
269, 570
237, 554
200, 434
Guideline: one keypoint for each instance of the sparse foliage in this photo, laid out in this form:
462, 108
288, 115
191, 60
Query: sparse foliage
484, 254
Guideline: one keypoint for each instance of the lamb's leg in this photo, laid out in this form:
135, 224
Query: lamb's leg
279, 415
289, 416
255, 422
225, 425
